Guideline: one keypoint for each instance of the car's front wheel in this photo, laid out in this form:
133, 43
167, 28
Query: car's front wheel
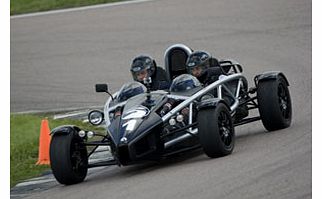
274, 103
68, 158
216, 131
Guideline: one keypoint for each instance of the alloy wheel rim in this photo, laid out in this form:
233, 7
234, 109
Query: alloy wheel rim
78, 162
283, 99
225, 130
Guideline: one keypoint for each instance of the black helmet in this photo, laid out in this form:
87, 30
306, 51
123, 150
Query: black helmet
141, 63
184, 82
200, 59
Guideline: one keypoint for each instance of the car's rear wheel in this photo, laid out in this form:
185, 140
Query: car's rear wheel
68, 158
216, 131
274, 103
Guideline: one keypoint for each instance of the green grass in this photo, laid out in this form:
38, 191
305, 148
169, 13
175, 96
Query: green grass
28, 6
24, 140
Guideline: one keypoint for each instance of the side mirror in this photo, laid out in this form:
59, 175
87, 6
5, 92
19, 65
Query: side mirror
101, 88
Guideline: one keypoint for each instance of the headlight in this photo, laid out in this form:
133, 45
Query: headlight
172, 122
96, 117
82, 133
90, 134
180, 118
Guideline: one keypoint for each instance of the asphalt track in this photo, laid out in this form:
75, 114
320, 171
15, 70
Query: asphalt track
56, 59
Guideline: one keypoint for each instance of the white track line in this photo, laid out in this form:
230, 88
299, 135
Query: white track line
59, 110
66, 115
78, 9
33, 182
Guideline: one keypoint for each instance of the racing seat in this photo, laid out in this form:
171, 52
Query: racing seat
175, 58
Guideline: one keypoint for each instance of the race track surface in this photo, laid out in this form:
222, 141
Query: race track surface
56, 60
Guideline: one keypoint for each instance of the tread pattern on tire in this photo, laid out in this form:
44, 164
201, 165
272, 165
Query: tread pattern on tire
209, 132
269, 106
60, 153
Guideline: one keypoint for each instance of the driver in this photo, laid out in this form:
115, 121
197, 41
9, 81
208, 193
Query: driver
143, 67
203, 66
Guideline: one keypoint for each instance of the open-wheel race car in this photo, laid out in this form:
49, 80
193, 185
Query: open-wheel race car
144, 125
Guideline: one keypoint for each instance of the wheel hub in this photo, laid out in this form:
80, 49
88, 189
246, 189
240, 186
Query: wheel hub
284, 104
225, 131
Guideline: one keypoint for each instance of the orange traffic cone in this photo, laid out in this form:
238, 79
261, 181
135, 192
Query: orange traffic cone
44, 141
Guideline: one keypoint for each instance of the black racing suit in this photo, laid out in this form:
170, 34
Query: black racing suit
160, 80
210, 75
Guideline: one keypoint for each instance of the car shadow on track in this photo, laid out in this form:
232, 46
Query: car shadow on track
195, 156
190, 157
115, 172
174, 160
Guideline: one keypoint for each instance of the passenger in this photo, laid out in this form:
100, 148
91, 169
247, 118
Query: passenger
203, 66
143, 67
207, 69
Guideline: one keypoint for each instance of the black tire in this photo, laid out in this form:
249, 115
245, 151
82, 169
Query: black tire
68, 158
274, 104
216, 131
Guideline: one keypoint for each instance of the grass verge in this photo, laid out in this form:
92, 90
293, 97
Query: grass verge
24, 142
28, 6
